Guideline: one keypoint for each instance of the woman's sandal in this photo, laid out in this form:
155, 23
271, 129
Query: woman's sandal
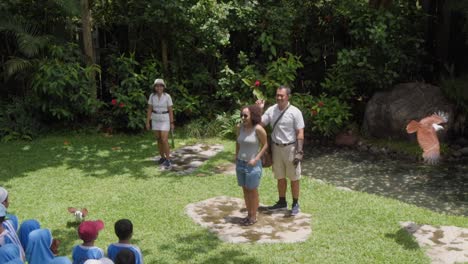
244, 220
249, 222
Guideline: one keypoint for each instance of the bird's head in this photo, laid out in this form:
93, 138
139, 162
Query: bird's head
437, 127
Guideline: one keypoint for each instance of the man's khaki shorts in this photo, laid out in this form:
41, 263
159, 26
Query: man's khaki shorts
283, 166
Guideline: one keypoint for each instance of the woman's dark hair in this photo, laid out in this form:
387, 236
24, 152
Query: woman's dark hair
255, 114
125, 256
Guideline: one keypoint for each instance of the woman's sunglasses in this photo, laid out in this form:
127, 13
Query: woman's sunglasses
244, 116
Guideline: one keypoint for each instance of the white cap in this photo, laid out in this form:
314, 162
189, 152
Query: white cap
159, 81
3, 194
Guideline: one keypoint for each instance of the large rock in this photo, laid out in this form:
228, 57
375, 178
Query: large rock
388, 113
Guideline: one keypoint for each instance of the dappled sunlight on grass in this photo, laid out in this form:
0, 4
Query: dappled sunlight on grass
45, 177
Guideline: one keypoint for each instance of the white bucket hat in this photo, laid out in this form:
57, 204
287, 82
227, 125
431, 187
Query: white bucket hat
159, 81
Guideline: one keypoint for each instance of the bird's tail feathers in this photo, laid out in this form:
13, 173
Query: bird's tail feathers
412, 127
431, 157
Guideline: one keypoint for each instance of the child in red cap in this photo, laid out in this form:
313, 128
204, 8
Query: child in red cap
88, 232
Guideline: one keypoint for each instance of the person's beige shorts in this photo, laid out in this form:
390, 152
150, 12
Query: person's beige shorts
283, 166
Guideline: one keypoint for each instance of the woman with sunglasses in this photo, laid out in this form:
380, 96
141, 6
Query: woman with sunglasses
250, 136
162, 120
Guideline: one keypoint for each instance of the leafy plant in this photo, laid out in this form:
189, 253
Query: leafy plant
227, 124
18, 120
385, 48
282, 71
128, 105
328, 115
62, 85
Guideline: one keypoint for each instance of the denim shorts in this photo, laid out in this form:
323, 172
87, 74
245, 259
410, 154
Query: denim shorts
248, 176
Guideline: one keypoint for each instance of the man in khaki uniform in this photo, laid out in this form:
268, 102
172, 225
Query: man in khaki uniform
287, 146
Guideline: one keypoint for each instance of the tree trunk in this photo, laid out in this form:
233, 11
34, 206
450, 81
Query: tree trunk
88, 43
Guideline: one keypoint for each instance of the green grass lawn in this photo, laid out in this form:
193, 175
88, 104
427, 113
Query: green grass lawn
114, 178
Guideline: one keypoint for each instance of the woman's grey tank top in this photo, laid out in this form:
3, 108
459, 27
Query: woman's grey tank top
248, 144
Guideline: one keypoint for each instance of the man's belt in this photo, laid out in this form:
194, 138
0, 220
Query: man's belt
284, 145
160, 113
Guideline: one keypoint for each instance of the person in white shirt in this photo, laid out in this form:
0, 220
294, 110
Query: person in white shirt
162, 120
287, 146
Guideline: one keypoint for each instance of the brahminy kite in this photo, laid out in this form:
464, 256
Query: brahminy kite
426, 133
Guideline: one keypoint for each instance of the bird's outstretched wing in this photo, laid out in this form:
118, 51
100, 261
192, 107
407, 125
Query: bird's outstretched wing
412, 127
72, 210
436, 118
84, 211
428, 141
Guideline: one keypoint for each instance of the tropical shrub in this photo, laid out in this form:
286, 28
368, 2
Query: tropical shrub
328, 115
18, 120
385, 47
62, 85
130, 85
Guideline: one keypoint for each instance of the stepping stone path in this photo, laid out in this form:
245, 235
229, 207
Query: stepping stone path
187, 159
222, 215
443, 244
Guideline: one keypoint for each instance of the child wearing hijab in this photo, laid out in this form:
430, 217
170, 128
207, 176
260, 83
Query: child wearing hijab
7, 236
41, 247
9, 252
27, 227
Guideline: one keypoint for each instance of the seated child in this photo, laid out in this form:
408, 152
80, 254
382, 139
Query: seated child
12, 223
125, 256
42, 247
88, 231
7, 236
124, 230
27, 227
9, 252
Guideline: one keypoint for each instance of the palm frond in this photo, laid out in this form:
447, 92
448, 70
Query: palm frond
30, 45
17, 65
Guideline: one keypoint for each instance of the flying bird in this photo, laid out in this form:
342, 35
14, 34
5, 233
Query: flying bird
426, 133
79, 214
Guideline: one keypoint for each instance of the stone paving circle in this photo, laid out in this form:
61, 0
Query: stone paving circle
443, 244
222, 215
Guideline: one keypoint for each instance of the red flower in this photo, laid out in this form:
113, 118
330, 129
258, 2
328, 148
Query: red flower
320, 104
114, 101
257, 83
314, 112
121, 105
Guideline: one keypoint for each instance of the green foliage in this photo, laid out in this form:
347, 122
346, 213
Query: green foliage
386, 47
186, 104
18, 120
282, 71
223, 126
130, 85
328, 115
227, 124
62, 85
